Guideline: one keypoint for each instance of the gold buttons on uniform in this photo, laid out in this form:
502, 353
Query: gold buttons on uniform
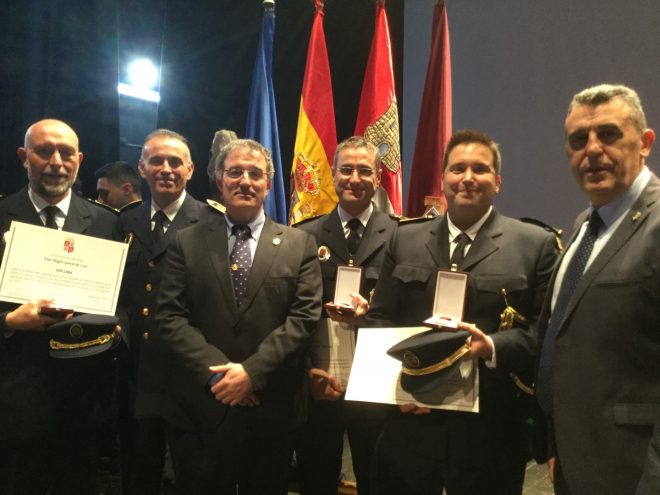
145, 336
151, 264
145, 311
148, 287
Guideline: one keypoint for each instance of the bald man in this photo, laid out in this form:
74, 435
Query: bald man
49, 408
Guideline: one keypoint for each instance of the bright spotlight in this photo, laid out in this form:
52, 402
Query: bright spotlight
143, 73
143, 77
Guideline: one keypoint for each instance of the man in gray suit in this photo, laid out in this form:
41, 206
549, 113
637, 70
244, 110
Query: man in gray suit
50, 408
599, 380
509, 264
239, 298
356, 167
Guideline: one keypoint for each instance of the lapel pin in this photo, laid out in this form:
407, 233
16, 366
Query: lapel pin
636, 216
276, 241
324, 253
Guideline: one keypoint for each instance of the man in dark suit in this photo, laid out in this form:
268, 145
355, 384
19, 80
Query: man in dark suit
356, 167
49, 408
166, 166
598, 380
509, 264
240, 296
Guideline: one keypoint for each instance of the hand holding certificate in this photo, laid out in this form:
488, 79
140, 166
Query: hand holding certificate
75, 271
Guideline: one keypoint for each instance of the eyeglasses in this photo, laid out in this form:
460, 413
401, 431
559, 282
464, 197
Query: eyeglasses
347, 171
236, 173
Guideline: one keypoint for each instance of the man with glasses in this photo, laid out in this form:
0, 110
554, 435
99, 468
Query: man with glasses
166, 166
356, 232
239, 299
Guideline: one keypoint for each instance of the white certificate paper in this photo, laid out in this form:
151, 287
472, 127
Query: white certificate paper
333, 347
79, 272
375, 375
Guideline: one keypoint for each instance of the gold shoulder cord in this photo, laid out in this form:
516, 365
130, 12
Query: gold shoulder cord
100, 340
445, 363
508, 318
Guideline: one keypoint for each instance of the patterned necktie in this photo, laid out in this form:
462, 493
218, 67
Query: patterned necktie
570, 281
458, 256
159, 226
51, 212
353, 238
240, 261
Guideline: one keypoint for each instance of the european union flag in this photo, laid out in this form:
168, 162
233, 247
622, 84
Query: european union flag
262, 115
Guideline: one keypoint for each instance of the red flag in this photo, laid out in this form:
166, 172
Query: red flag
434, 127
312, 189
378, 116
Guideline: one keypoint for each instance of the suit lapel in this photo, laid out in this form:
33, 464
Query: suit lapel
79, 218
271, 241
24, 210
624, 232
139, 224
438, 243
485, 243
373, 238
217, 245
333, 236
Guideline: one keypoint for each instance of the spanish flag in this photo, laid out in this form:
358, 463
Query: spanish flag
378, 116
312, 189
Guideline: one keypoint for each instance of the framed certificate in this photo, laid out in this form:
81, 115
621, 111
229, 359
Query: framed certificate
78, 272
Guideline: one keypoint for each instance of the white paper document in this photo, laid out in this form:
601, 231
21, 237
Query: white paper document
79, 272
375, 375
333, 347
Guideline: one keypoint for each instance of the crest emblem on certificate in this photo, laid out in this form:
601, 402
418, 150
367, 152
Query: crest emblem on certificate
69, 245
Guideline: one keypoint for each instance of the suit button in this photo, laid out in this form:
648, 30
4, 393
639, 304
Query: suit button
151, 264
145, 311
148, 287
145, 336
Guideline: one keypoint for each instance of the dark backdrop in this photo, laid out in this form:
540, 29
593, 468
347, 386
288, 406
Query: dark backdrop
61, 58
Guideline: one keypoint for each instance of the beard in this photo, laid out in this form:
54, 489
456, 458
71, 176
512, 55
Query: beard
49, 186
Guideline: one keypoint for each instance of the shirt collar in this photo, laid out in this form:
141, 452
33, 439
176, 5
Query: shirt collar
611, 212
363, 217
471, 231
255, 225
40, 203
170, 210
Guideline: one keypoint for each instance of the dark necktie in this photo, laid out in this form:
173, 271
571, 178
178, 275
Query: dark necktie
51, 212
159, 226
353, 238
240, 261
458, 256
570, 281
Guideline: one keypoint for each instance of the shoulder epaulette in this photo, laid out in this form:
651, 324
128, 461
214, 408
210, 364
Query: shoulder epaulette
306, 220
548, 228
130, 206
103, 205
216, 206
413, 220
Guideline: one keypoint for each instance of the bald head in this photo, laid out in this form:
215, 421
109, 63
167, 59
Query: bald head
51, 158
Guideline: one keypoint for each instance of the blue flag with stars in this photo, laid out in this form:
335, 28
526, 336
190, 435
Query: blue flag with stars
262, 115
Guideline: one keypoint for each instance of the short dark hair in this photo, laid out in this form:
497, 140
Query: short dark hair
240, 144
164, 134
356, 142
467, 136
119, 173
603, 93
